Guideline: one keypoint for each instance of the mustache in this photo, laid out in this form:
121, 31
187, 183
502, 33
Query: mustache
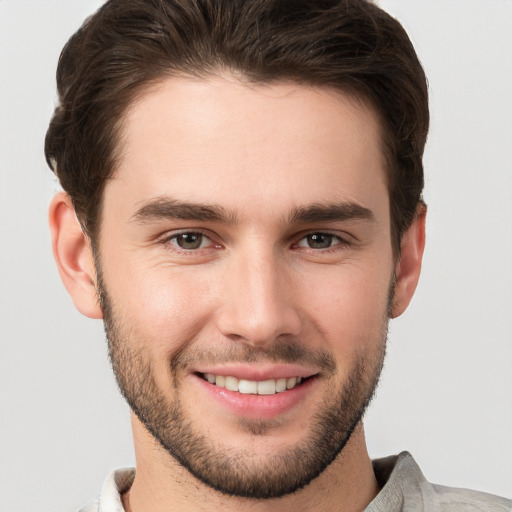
291, 352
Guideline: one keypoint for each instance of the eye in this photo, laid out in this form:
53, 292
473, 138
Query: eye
320, 241
190, 241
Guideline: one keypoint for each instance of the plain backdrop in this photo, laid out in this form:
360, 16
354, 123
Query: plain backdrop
445, 394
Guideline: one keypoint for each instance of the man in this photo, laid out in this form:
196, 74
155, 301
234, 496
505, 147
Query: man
243, 209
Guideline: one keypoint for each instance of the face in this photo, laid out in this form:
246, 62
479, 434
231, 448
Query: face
245, 269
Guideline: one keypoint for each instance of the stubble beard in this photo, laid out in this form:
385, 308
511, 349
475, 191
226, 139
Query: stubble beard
240, 473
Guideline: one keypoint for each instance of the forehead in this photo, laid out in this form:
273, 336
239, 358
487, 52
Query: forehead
223, 140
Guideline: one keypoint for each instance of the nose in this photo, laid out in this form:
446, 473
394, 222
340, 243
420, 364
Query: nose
258, 305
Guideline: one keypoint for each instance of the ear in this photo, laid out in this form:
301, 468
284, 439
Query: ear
408, 266
73, 254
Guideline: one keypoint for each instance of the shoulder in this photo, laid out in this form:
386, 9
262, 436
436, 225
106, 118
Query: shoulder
92, 506
405, 489
109, 499
451, 499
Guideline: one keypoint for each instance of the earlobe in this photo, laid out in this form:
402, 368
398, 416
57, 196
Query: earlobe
408, 267
73, 255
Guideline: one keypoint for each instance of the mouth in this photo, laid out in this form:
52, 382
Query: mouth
262, 393
254, 387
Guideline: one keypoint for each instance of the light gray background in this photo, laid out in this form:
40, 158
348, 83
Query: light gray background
446, 389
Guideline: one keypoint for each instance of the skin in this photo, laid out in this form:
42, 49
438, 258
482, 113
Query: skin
262, 154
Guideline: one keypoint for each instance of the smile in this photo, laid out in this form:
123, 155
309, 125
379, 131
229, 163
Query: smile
253, 387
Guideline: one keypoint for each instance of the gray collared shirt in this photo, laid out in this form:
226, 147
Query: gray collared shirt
403, 489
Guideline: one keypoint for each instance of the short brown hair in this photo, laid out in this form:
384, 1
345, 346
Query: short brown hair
351, 45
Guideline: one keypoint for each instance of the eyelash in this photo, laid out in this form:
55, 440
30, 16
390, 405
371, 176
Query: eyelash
342, 243
168, 240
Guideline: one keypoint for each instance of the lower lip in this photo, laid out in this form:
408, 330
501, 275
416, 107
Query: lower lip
262, 407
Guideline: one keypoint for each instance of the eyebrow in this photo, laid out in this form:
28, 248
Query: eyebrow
168, 208
343, 211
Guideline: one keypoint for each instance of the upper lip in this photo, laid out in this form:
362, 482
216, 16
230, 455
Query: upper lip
258, 372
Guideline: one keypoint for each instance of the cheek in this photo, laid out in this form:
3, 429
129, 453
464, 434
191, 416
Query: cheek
164, 308
349, 306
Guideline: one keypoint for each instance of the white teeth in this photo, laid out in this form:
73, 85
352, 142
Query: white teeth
232, 383
248, 387
280, 385
291, 383
252, 387
267, 387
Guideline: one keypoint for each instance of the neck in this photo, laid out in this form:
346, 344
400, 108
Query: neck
162, 484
